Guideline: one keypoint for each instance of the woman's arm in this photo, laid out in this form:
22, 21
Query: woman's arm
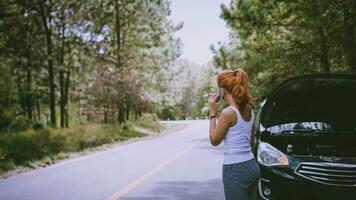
218, 131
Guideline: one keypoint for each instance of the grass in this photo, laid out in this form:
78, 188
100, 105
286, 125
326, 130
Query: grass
42, 147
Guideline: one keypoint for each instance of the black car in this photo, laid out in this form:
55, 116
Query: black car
306, 139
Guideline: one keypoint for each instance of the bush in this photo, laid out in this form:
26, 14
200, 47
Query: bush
6, 166
24, 145
126, 126
56, 141
13, 123
37, 126
149, 121
47, 160
60, 156
48, 144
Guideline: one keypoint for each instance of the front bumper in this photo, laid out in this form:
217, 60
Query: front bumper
279, 182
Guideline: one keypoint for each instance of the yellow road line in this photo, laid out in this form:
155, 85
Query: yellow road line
138, 181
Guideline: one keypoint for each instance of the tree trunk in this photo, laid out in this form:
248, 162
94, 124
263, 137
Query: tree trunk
121, 115
118, 35
62, 103
61, 75
46, 20
105, 117
21, 95
66, 98
127, 111
29, 94
121, 110
26, 92
349, 40
324, 51
38, 107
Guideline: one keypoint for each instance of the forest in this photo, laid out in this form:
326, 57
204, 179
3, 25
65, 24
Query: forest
77, 74
63, 62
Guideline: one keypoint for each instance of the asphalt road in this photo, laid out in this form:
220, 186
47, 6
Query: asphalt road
178, 165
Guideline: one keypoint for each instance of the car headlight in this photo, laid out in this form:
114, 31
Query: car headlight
270, 156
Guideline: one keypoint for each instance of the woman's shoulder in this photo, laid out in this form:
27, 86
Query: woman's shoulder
229, 114
228, 111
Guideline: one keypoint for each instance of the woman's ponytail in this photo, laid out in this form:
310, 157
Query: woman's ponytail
240, 92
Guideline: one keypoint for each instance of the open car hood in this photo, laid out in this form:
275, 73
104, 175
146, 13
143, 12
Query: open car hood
328, 99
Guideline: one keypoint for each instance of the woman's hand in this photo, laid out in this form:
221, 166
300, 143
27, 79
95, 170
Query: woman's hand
213, 104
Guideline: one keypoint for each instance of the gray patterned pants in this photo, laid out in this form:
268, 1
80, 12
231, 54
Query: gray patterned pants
241, 180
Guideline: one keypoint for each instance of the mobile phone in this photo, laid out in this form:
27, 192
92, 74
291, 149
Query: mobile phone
220, 96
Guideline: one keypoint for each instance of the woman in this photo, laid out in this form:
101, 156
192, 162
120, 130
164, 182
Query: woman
240, 169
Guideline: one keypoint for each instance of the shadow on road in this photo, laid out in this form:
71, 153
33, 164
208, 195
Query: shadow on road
196, 190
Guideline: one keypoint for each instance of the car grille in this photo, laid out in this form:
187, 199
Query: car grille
328, 173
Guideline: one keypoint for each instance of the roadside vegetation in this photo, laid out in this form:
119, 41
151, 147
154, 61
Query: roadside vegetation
34, 148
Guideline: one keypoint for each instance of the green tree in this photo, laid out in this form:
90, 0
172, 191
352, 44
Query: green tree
54, 53
277, 39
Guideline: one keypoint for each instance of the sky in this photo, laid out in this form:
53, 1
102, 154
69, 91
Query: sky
202, 27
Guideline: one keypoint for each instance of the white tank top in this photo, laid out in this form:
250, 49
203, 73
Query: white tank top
237, 146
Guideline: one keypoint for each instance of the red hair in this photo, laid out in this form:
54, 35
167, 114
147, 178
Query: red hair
236, 83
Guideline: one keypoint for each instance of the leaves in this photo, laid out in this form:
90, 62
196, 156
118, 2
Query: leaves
106, 56
274, 40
